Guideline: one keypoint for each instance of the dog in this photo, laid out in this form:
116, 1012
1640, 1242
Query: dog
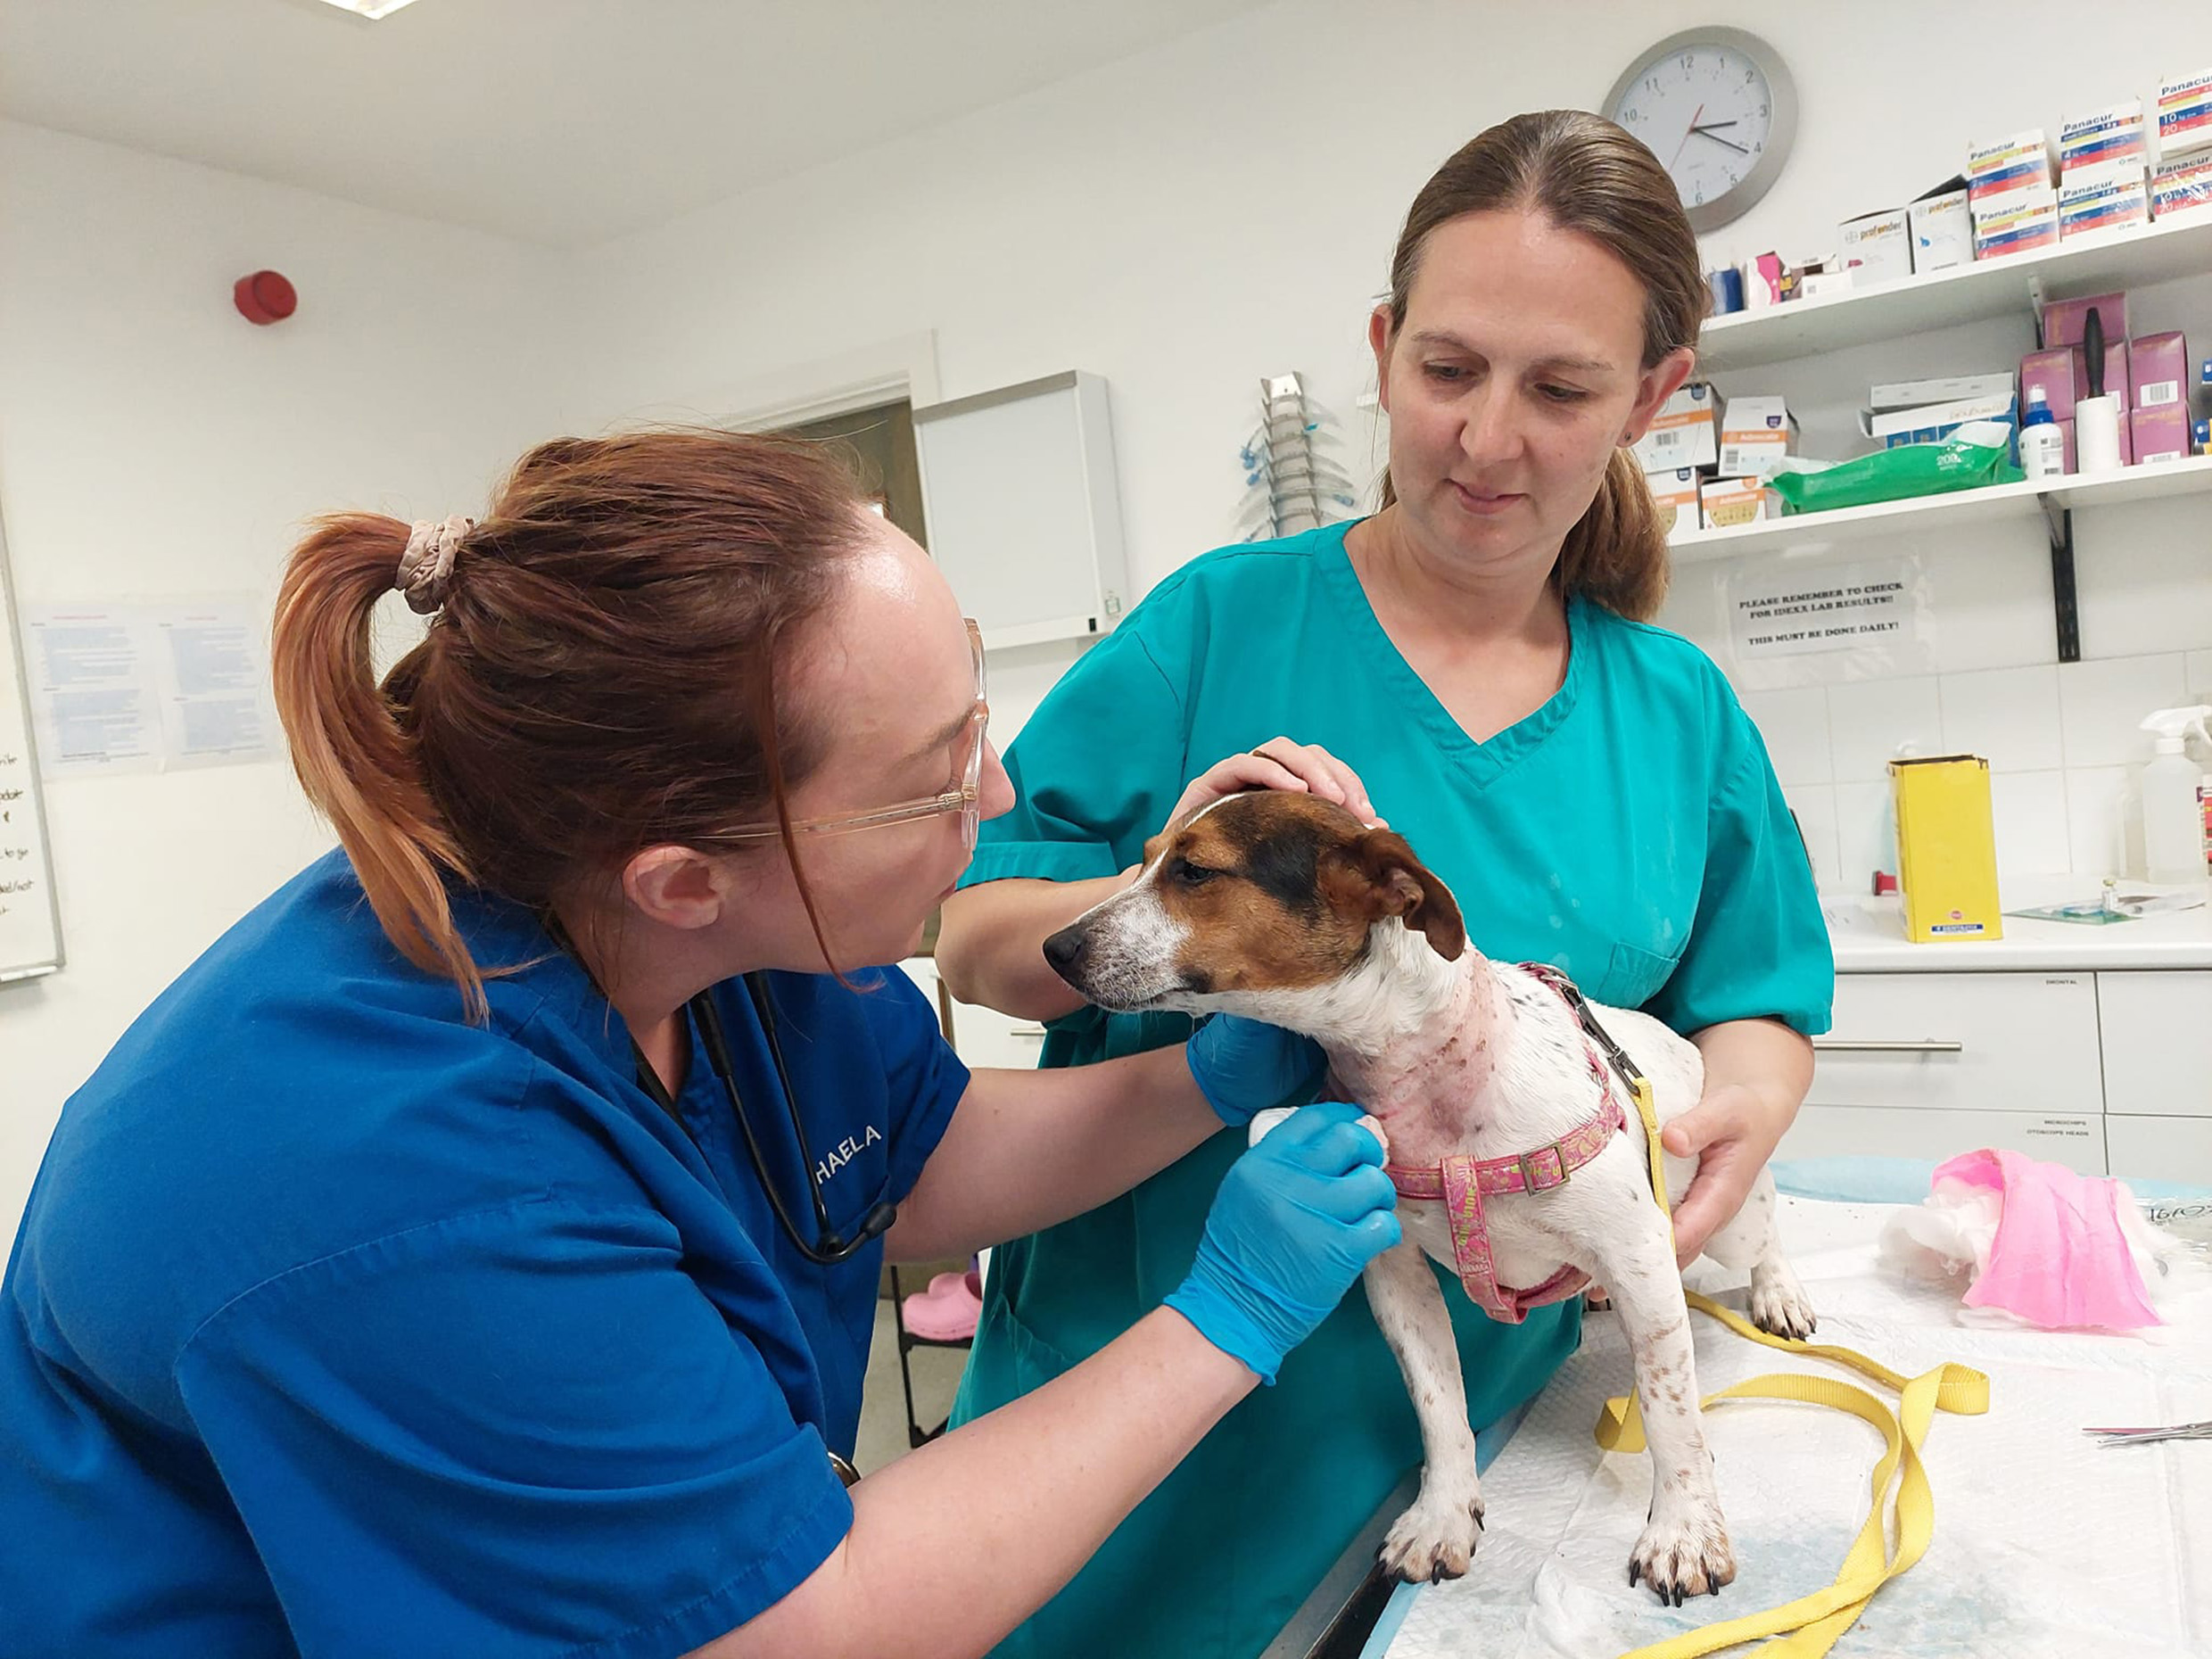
1285, 908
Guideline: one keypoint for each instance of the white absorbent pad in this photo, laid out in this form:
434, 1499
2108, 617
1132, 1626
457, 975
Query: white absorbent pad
2046, 1543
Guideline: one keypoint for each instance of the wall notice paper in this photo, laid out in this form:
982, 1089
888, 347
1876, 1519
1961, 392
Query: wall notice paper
92, 690
211, 668
2046, 1545
146, 688
1869, 618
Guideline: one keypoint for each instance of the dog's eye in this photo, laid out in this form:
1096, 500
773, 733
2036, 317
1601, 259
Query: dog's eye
1184, 873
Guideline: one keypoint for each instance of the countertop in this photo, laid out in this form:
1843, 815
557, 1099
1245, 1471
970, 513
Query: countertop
1869, 935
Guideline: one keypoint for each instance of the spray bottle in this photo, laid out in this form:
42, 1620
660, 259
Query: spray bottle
2173, 820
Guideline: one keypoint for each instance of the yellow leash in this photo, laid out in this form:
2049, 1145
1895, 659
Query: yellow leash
1810, 1626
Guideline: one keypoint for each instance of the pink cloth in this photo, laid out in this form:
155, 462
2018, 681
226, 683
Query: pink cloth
2060, 1259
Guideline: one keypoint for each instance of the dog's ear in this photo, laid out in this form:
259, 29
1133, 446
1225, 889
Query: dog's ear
1378, 876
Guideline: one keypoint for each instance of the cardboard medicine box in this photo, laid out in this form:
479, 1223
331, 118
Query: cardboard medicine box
1942, 231
1724, 503
1755, 435
1675, 495
1685, 433
1946, 849
1875, 247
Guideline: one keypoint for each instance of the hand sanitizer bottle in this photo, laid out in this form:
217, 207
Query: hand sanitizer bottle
2172, 821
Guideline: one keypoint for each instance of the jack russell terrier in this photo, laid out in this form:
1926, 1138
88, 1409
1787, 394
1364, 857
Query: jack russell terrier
1514, 1141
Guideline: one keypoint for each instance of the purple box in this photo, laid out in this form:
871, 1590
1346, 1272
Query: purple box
2157, 434
2054, 371
2157, 365
2065, 320
2063, 384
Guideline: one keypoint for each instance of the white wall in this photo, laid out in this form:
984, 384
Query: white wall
1185, 221
1182, 222
153, 443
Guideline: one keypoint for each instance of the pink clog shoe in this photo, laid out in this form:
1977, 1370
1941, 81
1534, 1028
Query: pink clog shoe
947, 1311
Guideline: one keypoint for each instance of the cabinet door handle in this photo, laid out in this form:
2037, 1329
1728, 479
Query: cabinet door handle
1028, 1031
1878, 1045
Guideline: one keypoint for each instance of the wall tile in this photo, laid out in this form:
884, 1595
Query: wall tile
1795, 725
2097, 826
2029, 810
1814, 805
2101, 706
2008, 716
1870, 718
1861, 834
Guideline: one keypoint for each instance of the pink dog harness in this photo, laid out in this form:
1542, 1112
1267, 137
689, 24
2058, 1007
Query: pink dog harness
1461, 1182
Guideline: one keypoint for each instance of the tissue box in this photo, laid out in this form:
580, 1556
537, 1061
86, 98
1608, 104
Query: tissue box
2184, 115
2020, 222
1723, 503
2106, 138
2158, 367
2003, 166
1675, 495
1685, 433
1877, 246
1755, 432
2159, 434
1946, 848
1941, 228
2183, 188
2104, 198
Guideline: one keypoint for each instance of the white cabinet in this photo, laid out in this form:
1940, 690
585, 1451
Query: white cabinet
2021, 1042
2107, 1072
981, 1036
2077, 1141
2162, 1149
2157, 1045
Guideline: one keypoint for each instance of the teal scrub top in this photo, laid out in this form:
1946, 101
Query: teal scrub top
1630, 831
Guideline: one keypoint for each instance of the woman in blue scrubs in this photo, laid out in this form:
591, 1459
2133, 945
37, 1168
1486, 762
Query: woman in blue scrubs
475, 1252
1476, 658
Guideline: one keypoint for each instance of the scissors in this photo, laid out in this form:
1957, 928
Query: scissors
2137, 1437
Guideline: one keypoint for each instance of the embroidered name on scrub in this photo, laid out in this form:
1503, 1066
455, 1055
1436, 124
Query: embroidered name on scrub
844, 1152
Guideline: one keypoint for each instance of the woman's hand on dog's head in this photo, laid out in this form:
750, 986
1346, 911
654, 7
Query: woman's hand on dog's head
1278, 763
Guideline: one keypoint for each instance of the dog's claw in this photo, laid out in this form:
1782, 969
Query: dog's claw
1634, 1573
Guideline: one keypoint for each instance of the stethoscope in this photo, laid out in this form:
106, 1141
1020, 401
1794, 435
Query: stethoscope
830, 1247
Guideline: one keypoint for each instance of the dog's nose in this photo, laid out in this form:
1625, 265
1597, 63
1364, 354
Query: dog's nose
1064, 950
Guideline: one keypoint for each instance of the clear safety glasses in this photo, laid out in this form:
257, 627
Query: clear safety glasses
963, 799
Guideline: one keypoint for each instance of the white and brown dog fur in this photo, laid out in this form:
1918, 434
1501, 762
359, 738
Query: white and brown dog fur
1285, 908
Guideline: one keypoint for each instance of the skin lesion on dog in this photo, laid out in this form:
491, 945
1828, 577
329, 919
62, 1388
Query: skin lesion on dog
1283, 907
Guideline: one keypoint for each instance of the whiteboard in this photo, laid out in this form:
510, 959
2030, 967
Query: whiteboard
1023, 507
31, 919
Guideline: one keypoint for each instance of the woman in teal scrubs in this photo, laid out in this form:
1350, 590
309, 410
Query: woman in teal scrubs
1475, 660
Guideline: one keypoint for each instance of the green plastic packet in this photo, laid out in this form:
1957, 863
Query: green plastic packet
1971, 457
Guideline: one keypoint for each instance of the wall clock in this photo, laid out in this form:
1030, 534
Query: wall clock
1718, 108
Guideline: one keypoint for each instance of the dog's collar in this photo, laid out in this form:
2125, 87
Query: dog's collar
1461, 1183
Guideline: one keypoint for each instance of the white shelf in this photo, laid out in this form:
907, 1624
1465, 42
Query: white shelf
1994, 503
1968, 294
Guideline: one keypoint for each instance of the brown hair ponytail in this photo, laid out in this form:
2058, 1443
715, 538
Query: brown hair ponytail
1586, 175
602, 675
1616, 554
354, 759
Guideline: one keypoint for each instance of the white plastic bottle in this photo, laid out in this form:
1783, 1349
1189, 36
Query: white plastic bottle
2173, 823
2043, 446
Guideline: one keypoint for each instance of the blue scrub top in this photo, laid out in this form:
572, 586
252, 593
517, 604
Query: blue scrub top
1631, 831
339, 1327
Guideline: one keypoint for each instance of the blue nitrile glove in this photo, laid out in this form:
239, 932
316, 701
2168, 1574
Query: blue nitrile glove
1243, 1067
1295, 1220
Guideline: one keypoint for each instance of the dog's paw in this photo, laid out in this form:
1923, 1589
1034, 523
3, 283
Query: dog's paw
1779, 1306
1435, 1540
1686, 1555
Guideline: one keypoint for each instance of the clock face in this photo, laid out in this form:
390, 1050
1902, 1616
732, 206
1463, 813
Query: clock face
1707, 112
